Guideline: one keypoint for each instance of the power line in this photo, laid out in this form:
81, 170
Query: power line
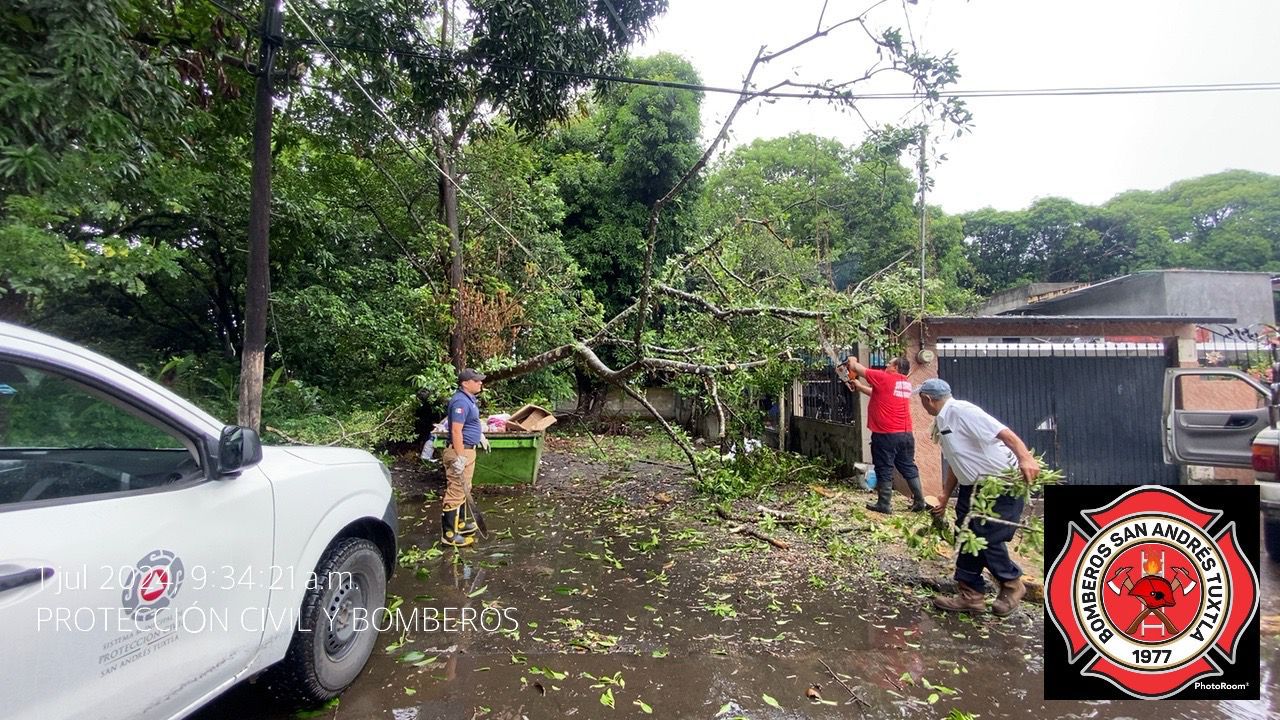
399, 133
818, 93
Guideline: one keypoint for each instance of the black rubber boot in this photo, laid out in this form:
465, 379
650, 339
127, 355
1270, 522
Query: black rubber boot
451, 528
917, 504
884, 491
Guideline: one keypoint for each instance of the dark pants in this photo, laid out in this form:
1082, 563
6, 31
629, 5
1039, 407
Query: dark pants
996, 555
895, 450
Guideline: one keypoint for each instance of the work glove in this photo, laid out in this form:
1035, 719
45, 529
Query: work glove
484, 443
459, 464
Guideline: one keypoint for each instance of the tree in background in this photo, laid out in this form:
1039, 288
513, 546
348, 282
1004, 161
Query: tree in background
92, 100
612, 164
1225, 221
445, 70
853, 206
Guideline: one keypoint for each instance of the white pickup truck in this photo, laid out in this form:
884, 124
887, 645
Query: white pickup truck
1221, 417
151, 557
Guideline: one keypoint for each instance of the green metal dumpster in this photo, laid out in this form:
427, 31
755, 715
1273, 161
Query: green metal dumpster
514, 458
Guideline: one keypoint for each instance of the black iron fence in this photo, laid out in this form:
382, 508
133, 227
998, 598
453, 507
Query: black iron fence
825, 397
1244, 348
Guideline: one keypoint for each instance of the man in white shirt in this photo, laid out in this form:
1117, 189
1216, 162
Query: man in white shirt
976, 445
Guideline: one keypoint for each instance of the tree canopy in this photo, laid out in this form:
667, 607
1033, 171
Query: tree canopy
605, 231
1226, 221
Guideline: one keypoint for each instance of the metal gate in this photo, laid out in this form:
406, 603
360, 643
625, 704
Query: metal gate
1093, 410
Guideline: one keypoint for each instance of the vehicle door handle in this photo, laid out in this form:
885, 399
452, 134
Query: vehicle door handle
9, 581
1240, 421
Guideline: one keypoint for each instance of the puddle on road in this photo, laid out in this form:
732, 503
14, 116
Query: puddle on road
593, 607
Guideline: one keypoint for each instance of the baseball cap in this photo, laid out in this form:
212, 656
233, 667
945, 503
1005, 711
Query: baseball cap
934, 388
469, 374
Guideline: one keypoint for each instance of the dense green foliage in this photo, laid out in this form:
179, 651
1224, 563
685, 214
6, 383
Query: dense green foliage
611, 165
1226, 221
124, 174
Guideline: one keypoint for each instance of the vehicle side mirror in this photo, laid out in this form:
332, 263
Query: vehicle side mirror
238, 448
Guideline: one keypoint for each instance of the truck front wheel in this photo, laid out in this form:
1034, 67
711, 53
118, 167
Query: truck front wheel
336, 632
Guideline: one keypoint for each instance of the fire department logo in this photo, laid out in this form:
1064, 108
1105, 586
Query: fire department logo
151, 584
1151, 592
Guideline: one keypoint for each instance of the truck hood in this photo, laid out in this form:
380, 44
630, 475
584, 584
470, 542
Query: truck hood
322, 455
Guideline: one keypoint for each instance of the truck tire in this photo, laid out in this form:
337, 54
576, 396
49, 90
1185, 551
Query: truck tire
1271, 538
324, 658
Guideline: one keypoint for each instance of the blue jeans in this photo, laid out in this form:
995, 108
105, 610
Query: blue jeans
996, 555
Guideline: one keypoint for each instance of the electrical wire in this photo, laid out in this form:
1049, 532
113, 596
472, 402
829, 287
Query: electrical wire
399, 133
820, 94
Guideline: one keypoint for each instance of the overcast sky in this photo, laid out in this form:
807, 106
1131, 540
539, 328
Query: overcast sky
1084, 148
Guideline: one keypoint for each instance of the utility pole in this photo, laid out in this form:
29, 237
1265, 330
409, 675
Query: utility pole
924, 212
258, 278
446, 152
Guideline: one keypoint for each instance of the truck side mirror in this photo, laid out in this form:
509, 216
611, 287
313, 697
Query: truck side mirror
238, 448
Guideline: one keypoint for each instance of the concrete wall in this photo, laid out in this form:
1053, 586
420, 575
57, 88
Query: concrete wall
840, 443
1137, 294
1247, 297
618, 404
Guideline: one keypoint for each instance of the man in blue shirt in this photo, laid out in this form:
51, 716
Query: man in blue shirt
465, 435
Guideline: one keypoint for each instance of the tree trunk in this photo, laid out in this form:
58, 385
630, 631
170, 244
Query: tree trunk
13, 305
592, 395
258, 279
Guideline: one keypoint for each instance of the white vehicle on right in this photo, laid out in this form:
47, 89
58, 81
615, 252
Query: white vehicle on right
1225, 418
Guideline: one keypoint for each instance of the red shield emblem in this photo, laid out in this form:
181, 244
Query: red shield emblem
1145, 586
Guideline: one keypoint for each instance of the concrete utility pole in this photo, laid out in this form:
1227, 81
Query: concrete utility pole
924, 212
258, 278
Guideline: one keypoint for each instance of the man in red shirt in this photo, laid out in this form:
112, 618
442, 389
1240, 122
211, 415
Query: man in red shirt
889, 419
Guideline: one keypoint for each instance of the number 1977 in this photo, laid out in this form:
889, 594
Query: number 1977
1151, 657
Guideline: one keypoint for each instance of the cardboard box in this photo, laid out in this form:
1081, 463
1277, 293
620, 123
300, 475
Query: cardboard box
531, 418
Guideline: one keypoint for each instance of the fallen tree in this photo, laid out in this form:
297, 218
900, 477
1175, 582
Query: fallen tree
750, 301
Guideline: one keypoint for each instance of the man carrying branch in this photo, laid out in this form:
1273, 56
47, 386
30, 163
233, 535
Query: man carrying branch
975, 446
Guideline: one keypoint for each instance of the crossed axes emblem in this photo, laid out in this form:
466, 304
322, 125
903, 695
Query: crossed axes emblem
1154, 592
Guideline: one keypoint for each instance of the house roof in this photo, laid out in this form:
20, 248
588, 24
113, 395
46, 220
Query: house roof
1054, 298
1012, 320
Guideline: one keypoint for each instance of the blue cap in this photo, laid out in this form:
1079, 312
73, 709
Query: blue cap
934, 388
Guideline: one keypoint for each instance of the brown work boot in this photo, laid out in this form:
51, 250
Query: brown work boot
1011, 593
967, 600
